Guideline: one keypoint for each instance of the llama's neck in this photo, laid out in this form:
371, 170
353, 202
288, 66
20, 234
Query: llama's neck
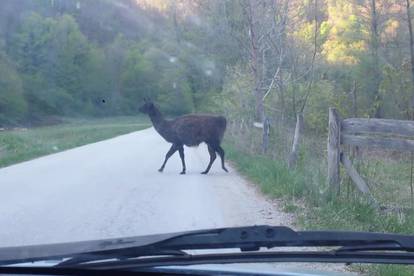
160, 124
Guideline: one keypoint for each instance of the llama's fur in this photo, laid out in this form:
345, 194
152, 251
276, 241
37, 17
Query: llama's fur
190, 130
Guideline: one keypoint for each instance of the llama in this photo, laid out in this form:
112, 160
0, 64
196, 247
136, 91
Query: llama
190, 130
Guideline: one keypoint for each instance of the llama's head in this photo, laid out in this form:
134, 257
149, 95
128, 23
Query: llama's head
147, 108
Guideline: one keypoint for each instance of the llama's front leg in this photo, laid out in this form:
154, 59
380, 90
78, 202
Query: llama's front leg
181, 151
172, 150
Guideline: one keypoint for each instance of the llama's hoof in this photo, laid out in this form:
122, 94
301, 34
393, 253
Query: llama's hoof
182, 172
205, 172
160, 170
225, 169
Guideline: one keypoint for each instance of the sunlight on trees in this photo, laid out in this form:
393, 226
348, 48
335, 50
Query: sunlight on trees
63, 60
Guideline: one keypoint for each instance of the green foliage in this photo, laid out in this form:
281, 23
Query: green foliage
70, 60
12, 103
63, 64
236, 98
324, 95
170, 85
138, 79
178, 99
51, 54
347, 32
396, 90
399, 270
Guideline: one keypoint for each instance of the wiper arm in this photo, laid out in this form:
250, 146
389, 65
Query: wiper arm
244, 238
255, 237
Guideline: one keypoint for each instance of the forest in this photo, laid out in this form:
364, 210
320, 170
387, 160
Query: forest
248, 59
90, 58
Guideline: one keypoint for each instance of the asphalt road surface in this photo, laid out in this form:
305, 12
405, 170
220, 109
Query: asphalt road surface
113, 189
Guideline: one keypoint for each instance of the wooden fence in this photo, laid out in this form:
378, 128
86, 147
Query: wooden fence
362, 132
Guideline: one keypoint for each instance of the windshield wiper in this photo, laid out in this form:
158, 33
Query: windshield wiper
170, 249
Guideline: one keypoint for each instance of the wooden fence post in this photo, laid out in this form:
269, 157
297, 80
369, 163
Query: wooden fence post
334, 151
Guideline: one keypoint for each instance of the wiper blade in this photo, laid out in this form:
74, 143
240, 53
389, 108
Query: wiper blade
163, 264
256, 257
244, 238
125, 254
378, 246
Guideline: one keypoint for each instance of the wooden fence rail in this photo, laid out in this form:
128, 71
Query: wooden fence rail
364, 133
380, 126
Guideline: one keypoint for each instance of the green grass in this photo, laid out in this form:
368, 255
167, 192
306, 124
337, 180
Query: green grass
350, 211
389, 180
25, 144
266, 173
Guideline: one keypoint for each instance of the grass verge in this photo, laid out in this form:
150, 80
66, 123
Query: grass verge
303, 191
25, 144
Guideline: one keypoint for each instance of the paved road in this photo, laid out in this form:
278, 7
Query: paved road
112, 188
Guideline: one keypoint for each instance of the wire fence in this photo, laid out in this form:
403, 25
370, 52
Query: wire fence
387, 173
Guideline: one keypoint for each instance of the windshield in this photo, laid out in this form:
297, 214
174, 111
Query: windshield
123, 118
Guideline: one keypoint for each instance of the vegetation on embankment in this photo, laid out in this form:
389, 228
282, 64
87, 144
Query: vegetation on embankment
303, 191
24, 144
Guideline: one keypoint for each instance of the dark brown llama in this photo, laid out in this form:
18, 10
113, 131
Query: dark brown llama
190, 130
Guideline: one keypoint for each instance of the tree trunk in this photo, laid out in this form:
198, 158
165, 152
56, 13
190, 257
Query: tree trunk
260, 114
377, 112
175, 22
294, 154
299, 116
312, 67
410, 31
254, 64
282, 95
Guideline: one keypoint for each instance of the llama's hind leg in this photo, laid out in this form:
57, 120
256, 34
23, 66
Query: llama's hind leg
181, 151
220, 151
212, 158
172, 150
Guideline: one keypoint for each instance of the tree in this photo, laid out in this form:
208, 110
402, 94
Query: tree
12, 103
411, 45
51, 54
138, 79
374, 45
